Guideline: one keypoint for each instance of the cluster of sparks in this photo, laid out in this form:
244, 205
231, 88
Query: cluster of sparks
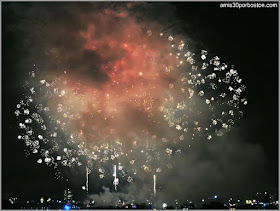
157, 99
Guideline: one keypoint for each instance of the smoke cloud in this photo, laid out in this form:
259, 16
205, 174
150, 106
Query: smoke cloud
110, 53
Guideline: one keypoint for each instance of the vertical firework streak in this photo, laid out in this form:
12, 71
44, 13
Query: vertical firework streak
87, 174
116, 180
155, 184
155, 101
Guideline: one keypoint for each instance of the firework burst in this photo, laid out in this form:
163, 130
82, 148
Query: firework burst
156, 97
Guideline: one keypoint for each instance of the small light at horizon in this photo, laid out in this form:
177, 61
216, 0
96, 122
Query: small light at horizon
66, 207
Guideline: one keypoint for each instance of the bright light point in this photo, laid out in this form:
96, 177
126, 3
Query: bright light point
140, 73
66, 207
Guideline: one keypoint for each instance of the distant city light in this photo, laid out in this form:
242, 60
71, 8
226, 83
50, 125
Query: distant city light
66, 207
248, 202
215, 196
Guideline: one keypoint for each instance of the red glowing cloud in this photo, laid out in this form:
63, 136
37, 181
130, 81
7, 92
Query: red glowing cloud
137, 63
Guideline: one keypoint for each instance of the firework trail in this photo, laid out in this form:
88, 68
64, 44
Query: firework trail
155, 185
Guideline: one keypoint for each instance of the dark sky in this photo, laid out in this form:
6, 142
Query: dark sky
247, 38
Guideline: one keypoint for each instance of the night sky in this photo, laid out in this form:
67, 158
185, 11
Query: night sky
246, 38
